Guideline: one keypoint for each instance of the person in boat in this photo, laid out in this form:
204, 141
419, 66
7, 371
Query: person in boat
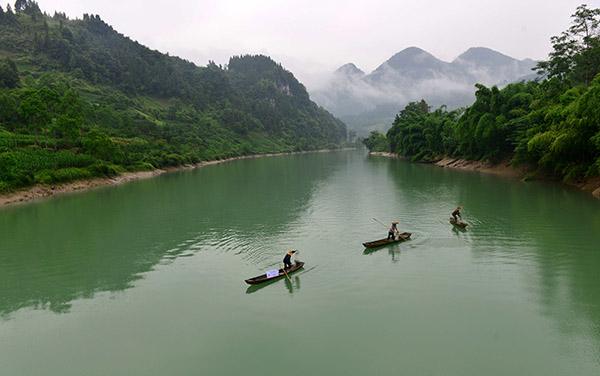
287, 260
393, 232
456, 214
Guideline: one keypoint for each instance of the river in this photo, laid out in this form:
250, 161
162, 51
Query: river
147, 278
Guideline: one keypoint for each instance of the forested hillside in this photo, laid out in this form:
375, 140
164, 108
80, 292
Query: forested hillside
552, 125
78, 99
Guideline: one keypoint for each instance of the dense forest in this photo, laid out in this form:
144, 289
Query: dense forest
551, 125
78, 99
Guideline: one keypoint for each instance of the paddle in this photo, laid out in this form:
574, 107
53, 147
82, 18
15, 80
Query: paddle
288, 277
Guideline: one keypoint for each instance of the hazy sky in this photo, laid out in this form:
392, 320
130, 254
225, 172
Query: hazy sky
313, 36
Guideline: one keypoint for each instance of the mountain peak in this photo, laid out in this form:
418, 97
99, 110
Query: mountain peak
480, 55
412, 57
349, 69
412, 53
412, 50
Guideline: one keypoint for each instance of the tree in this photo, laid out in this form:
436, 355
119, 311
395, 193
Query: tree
9, 76
405, 136
98, 144
29, 7
20, 5
66, 128
585, 23
8, 17
575, 52
376, 142
33, 110
8, 108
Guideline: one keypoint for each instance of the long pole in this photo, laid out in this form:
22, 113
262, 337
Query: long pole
381, 223
397, 233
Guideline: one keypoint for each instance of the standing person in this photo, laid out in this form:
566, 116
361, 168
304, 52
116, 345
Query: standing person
287, 260
393, 231
456, 214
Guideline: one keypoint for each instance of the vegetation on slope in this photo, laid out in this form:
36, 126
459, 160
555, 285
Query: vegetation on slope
552, 125
78, 99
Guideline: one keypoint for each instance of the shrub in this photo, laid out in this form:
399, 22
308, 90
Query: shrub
62, 175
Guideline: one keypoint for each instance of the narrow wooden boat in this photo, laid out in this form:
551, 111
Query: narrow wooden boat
459, 223
264, 278
381, 242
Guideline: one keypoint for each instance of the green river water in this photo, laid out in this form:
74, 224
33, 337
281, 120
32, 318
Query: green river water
147, 278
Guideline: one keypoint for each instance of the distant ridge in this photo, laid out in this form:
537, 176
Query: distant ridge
366, 101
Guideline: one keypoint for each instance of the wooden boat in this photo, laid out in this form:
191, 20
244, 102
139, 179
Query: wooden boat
381, 242
263, 278
459, 223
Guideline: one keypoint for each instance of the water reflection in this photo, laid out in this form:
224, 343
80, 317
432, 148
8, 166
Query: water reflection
394, 253
458, 230
553, 231
292, 285
71, 247
394, 250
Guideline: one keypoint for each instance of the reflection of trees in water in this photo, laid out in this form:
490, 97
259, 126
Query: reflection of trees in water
557, 228
72, 247
271, 196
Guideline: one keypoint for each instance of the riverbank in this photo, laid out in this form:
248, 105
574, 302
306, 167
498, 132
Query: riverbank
502, 169
505, 169
42, 191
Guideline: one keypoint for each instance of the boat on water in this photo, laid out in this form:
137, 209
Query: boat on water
458, 223
274, 274
381, 242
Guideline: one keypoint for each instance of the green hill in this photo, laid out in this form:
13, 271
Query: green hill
78, 99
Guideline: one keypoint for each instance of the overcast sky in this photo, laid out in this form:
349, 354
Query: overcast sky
313, 36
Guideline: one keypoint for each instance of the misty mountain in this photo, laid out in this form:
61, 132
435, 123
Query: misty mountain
490, 67
369, 101
350, 70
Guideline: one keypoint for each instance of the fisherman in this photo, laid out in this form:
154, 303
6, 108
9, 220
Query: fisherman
393, 232
287, 260
456, 214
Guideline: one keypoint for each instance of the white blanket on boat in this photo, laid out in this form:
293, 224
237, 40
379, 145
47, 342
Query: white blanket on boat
272, 273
